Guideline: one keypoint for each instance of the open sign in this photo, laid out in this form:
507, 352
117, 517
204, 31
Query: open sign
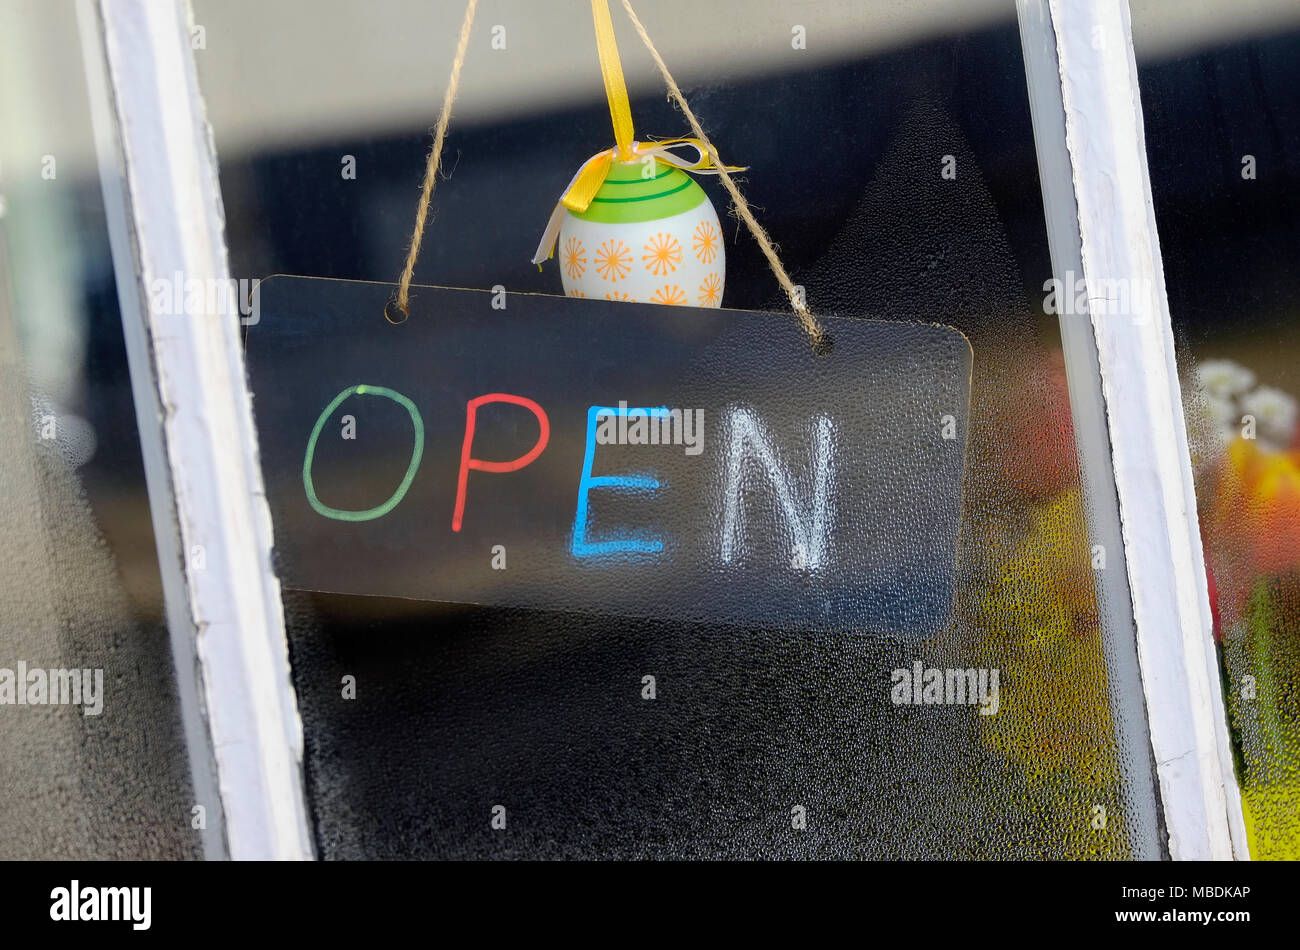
612, 458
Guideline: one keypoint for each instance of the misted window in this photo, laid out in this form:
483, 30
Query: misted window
888, 152
92, 746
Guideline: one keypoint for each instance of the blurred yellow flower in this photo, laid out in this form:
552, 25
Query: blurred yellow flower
1257, 506
1041, 629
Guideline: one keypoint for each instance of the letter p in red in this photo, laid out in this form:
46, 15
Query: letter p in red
468, 462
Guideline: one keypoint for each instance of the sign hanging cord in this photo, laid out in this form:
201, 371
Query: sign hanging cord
431, 167
759, 233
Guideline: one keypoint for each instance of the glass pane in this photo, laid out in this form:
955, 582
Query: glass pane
890, 153
94, 759
1221, 98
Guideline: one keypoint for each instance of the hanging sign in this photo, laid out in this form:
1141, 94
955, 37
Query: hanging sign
626, 459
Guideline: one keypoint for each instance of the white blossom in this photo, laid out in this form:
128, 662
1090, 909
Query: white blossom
1275, 415
1223, 379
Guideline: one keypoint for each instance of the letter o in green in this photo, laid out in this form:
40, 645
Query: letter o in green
417, 424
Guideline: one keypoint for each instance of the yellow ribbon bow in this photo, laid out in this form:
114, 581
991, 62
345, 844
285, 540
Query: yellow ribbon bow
584, 185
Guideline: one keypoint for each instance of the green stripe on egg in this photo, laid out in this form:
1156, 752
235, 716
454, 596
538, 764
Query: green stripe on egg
627, 196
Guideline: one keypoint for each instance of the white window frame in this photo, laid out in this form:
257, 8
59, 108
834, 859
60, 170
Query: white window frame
1101, 223
163, 200
212, 525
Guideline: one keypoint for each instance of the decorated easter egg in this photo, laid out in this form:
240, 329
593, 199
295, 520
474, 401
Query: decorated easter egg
645, 239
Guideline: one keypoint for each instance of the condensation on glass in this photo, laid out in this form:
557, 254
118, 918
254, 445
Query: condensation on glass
94, 760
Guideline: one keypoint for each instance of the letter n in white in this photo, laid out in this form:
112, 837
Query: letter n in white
807, 527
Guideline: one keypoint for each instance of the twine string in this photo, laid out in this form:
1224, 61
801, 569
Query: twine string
431, 166
760, 235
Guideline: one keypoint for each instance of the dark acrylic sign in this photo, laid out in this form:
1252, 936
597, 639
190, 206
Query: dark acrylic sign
615, 458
